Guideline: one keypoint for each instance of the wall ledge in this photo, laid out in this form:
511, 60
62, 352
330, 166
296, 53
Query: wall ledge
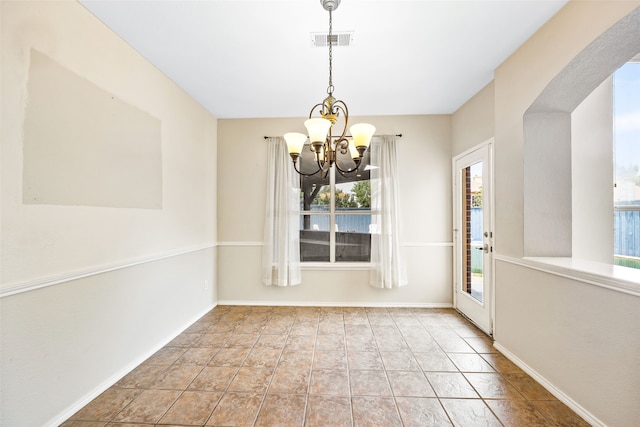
560, 395
613, 277
43, 282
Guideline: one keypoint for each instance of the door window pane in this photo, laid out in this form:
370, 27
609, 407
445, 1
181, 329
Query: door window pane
472, 233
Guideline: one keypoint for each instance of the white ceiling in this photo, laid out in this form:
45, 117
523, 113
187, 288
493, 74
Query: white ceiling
242, 59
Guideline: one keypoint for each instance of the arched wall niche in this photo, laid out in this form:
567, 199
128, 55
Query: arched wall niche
547, 138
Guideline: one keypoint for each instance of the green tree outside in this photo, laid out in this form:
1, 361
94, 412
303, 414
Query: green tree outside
359, 197
476, 199
362, 191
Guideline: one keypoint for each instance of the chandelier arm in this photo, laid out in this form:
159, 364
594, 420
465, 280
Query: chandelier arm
326, 157
305, 174
343, 106
342, 144
338, 106
343, 172
321, 166
319, 104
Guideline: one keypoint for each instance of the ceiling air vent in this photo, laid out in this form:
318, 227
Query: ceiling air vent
344, 38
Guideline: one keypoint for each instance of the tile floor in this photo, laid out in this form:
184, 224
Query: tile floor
327, 366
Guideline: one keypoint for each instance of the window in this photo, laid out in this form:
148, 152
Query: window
335, 218
626, 110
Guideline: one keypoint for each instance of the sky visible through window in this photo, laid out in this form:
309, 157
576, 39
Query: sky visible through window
626, 110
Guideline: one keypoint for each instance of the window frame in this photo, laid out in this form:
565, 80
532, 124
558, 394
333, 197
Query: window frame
621, 204
332, 213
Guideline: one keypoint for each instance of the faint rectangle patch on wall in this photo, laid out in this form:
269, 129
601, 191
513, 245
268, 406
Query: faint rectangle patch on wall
85, 147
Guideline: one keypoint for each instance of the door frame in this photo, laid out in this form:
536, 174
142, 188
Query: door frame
457, 218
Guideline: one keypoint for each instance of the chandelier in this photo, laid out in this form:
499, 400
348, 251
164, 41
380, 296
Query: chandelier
324, 142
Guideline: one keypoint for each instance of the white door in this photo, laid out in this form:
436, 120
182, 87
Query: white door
473, 235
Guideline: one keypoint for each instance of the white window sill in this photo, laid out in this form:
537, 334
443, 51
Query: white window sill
614, 277
320, 266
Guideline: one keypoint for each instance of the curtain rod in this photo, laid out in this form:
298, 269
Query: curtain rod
399, 135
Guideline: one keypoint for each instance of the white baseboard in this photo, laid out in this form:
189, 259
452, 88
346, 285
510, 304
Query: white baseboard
75, 407
336, 304
561, 396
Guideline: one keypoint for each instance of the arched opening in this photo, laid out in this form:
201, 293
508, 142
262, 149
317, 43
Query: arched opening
548, 186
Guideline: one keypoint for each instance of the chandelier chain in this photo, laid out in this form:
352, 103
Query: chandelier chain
330, 41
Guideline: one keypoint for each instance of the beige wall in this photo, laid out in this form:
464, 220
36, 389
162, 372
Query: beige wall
87, 290
580, 338
592, 172
473, 123
424, 157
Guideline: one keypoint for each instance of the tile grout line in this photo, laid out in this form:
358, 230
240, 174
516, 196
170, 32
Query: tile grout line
393, 395
313, 356
222, 347
346, 355
193, 379
148, 388
264, 397
223, 393
439, 398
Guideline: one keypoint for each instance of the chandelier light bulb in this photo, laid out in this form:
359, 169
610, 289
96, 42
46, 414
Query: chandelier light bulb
295, 141
362, 133
318, 129
353, 151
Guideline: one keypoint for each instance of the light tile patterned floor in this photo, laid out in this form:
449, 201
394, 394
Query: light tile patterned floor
327, 366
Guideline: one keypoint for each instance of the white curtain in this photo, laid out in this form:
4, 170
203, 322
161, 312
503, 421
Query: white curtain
387, 264
281, 250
